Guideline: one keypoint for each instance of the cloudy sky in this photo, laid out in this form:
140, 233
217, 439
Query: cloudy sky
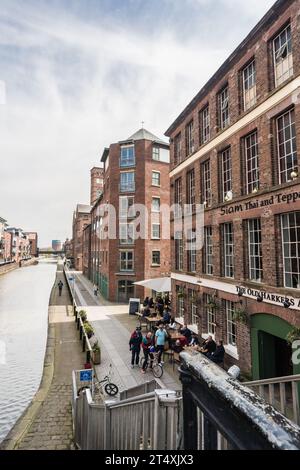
80, 74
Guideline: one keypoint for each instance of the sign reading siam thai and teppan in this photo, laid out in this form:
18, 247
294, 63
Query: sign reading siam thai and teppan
269, 297
280, 198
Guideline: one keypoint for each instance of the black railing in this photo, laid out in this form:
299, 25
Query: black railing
220, 413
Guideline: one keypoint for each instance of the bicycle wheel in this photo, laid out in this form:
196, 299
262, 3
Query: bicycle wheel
111, 389
157, 371
81, 389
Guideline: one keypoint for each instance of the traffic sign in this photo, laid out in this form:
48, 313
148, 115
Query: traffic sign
86, 375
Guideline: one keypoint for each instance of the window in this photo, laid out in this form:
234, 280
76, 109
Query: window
156, 231
178, 198
156, 257
204, 122
155, 204
178, 251
155, 153
287, 148
290, 227
155, 178
189, 138
206, 183
252, 167
228, 250
211, 315
231, 324
127, 157
126, 233
125, 290
180, 302
191, 252
255, 250
223, 108
249, 85
125, 203
177, 149
126, 261
190, 190
194, 312
208, 251
127, 181
283, 57
226, 174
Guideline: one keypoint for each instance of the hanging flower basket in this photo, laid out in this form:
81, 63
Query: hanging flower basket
180, 294
293, 335
212, 304
240, 315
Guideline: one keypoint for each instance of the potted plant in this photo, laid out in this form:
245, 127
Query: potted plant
293, 335
88, 329
212, 303
83, 315
96, 353
240, 315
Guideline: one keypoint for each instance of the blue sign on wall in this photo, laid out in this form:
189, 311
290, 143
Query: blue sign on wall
86, 375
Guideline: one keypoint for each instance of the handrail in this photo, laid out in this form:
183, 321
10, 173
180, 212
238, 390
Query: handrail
273, 380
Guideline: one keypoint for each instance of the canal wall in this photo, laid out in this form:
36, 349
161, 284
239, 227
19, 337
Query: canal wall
6, 268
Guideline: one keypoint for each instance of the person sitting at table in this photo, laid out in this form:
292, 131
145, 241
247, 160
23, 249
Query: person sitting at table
173, 324
166, 316
167, 300
208, 346
177, 346
146, 302
186, 332
146, 312
218, 355
151, 302
194, 340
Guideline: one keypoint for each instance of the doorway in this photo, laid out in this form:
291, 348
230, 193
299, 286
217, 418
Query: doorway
275, 356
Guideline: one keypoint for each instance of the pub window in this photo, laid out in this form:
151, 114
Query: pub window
178, 251
231, 324
211, 314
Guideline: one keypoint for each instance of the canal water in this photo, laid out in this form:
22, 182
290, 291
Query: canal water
24, 300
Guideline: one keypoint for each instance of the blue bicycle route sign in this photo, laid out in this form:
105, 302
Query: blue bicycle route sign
86, 375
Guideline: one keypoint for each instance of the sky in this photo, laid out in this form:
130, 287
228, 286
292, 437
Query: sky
81, 74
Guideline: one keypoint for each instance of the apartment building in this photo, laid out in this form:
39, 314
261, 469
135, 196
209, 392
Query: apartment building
136, 172
234, 149
81, 218
33, 242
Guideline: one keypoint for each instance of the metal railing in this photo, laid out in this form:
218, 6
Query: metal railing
151, 421
221, 413
281, 392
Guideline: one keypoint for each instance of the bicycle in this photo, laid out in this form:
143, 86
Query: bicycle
97, 385
157, 368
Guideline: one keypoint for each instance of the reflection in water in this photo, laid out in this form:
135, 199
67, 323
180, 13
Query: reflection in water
24, 299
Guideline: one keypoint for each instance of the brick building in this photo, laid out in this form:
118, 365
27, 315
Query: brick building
136, 171
234, 149
20, 245
96, 184
33, 241
86, 254
81, 218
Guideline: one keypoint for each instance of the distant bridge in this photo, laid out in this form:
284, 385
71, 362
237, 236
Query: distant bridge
49, 251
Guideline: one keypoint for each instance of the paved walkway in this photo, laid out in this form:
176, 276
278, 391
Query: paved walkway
113, 325
52, 427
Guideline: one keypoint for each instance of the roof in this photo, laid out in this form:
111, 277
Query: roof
219, 74
143, 134
83, 208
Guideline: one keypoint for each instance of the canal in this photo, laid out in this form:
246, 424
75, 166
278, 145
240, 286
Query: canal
24, 299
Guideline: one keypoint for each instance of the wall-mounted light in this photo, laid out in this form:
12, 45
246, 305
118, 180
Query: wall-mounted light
259, 298
228, 196
294, 174
286, 303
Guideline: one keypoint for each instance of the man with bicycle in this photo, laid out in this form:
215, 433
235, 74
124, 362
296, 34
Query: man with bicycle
160, 340
147, 343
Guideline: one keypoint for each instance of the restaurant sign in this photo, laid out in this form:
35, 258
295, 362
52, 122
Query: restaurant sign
261, 296
279, 198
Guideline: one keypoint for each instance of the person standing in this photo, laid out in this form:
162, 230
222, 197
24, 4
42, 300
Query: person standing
95, 290
146, 345
60, 286
135, 346
160, 340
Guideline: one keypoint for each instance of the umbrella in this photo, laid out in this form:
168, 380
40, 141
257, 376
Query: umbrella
159, 284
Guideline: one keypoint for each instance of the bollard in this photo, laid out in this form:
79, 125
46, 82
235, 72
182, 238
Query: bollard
83, 343
88, 356
80, 332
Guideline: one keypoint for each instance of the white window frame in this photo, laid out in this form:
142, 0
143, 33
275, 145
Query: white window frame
190, 138
226, 172
123, 212
127, 187
155, 173
156, 153
177, 149
178, 251
180, 307
205, 125
178, 197
152, 231
206, 181
223, 98
153, 209
291, 249
194, 314
211, 317
283, 66
153, 263
208, 250
126, 261
231, 325
126, 162
129, 230
252, 162
289, 146
228, 246
249, 85
255, 250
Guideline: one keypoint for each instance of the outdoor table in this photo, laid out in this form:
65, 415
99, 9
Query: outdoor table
152, 320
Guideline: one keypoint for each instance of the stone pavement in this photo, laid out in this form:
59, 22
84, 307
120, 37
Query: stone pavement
113, 325
48, 422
